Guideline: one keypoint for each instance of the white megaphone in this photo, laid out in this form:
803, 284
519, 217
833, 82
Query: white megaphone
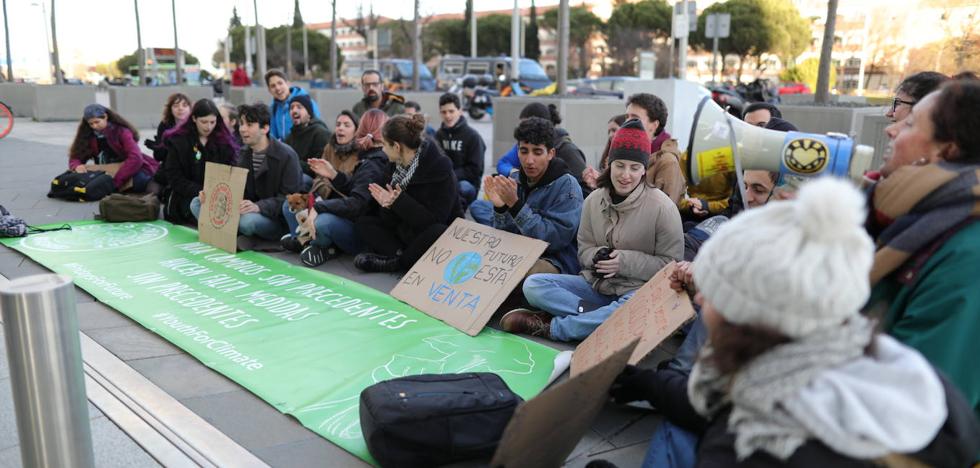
720, 143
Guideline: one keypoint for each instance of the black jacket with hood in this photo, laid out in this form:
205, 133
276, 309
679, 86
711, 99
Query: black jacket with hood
350, 196
308, 142
465, 148
279, 176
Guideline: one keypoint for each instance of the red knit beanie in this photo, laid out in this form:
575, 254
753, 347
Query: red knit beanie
630, 142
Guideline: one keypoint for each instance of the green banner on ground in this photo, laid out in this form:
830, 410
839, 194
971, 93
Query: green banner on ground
305, 341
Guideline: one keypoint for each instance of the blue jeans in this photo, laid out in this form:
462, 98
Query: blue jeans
482, 212
671, 447
330, 229
250, 224
578, 309
697, 334
307, 183
140, 180
467, 192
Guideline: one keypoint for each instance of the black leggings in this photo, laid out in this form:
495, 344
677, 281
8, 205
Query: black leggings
383, 238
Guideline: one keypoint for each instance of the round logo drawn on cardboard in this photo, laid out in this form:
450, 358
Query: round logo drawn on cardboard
94, 237
805, 156
463, 267
219, 206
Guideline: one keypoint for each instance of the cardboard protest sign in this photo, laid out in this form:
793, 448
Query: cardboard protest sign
545, 430
468, 273
653, 313
224, 187
110, 169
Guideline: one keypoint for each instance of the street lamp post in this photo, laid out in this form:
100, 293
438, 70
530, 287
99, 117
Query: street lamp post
59, 77
515, 42
140, 53
562, 47
47, 35
180, 57
333, 44
6, 35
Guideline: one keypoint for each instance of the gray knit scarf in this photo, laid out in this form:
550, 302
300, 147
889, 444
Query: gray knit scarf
403, 174
762, 390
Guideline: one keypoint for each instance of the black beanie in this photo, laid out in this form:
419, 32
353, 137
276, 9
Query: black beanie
304, 99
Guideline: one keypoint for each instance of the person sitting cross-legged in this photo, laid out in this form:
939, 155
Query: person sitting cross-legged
542, 200
273, 173
629, 230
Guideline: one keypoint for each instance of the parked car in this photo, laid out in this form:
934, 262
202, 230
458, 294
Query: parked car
397, 73
452, 67
794, 88
602, 86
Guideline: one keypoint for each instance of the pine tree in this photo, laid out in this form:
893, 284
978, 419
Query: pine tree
236, 20
532, 46
297, 16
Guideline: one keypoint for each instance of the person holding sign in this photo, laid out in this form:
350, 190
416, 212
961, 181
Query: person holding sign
415, 206
200, 139
273, 173
792, 375
104, 137
629, 230
542, 200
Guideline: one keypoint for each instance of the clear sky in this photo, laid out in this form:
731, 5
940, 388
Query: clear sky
99, 31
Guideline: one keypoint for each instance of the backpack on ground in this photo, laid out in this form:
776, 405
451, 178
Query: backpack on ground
435, 419
118, 207
10, 225
81, 186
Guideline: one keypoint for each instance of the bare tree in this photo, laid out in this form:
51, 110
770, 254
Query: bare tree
823, 75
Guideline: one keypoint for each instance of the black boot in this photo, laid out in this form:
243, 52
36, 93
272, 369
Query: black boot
376, 263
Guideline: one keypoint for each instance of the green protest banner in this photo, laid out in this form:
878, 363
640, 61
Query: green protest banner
305, 341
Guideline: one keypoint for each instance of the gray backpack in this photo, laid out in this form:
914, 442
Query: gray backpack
10, 225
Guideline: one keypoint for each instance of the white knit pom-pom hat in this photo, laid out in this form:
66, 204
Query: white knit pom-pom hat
794, 266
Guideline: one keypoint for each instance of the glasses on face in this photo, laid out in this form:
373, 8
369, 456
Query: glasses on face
373, 84
897, 101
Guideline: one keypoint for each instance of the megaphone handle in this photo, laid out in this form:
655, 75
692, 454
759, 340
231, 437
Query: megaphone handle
737, 156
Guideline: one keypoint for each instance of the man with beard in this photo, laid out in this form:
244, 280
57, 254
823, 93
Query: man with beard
308, 136
282, 91
375, 97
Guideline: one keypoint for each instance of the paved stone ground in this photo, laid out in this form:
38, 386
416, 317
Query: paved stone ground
36, 152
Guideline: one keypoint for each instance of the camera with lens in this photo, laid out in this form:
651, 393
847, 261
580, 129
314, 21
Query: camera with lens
600, 255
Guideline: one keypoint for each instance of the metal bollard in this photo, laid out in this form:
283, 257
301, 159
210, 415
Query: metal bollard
45, 357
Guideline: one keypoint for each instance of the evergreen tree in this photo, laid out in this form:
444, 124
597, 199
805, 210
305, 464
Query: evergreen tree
532, 45
297, 15
235, 19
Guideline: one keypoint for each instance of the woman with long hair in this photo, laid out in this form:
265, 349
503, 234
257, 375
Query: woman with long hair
342, 176
197, 140
104, 137
175, 111
417, 203
629, 230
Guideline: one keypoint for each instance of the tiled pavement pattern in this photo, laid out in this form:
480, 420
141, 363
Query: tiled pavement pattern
36, 152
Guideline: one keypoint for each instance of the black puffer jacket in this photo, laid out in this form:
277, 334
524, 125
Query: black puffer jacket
350, 196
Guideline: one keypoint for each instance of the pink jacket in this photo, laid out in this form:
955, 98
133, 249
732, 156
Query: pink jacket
121, 140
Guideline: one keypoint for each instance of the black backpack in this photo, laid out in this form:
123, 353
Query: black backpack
81, 186
435, 419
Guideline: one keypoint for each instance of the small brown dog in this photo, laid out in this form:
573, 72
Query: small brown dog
297, 205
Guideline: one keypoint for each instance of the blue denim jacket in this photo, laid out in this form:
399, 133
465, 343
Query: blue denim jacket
550, 213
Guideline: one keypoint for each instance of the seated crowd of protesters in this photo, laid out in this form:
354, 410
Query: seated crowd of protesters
833, 326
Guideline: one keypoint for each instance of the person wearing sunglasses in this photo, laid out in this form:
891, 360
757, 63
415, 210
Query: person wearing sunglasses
911, 90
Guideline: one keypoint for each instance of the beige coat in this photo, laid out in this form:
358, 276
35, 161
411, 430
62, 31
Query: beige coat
664, 171
645, 229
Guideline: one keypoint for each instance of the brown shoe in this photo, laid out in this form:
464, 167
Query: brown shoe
527, 322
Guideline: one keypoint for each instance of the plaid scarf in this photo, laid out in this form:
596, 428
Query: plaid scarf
915, 206
403, 174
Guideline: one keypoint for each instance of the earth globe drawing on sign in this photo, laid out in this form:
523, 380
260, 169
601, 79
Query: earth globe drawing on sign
462, 267
93, 237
